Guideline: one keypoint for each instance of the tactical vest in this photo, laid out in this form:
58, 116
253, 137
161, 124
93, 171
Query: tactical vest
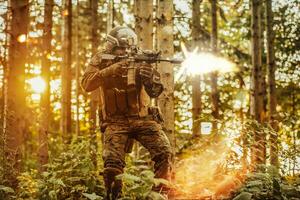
117, 99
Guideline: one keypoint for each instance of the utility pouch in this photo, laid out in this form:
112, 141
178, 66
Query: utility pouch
156, 114
110, 101
121, 100
132, 100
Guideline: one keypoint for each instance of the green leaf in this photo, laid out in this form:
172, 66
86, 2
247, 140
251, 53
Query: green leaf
6, 189
92, 196
147, 173
52, 195
129, 178
257, 183
45, 174
158, 181
74, 179
156, 196
243, 196
57, 182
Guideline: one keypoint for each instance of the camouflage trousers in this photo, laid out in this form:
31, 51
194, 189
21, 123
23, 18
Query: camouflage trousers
147, 132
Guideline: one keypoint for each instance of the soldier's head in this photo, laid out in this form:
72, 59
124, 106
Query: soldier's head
120, 39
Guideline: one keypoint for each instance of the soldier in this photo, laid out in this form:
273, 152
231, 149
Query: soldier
125, 109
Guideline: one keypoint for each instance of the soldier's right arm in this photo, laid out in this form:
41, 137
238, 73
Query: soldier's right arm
97, 71
91, 79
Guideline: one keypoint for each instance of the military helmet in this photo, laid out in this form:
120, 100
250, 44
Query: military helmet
121, 36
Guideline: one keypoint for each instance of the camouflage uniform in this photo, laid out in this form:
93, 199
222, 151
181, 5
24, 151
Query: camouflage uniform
125, 115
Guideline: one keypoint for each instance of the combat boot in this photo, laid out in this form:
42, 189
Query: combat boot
113, 187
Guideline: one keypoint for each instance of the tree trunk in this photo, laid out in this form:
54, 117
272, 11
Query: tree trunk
214, 75
144, 31
110, 15
256, 98
77, 68
94, 95
94, 103
196, 80
4, 89
15, 114
66, 72
271, 84
45, 99
263, 90
165, 45
144, 23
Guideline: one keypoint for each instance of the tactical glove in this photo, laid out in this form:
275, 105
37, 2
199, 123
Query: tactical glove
149, 74
145, 71
150, 78
116, 69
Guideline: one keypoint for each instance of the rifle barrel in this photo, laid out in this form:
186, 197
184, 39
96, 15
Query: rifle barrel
173, 61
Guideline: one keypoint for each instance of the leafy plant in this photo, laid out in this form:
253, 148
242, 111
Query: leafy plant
267, 185
137, 184
71, 175
6, 192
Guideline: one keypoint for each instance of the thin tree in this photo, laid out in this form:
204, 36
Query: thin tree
15, 113
263, 89
4, 64
196, 80
66, 73
110, 15
165, 45
45, 99
255, 96
214, 75
95, 43
77, 68
94, 97
271, 84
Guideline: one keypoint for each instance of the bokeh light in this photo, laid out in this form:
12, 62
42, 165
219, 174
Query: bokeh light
37, 84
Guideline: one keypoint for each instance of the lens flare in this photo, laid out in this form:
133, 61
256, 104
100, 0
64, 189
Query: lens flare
37, 84
22, 38
202, 171
196, 63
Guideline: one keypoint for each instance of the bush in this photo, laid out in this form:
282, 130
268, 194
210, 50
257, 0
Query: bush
71, 175
268, 185
138, 183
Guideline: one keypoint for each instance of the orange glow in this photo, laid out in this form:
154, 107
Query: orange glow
22, 38
201, 174
65, 13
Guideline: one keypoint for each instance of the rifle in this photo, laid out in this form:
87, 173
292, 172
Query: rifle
147, 56
138, 56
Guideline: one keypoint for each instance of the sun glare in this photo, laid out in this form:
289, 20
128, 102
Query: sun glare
37, 84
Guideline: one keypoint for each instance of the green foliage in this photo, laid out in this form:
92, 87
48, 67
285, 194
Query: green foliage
268, 185
6, 192
71, 175
138, 184
92, 196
